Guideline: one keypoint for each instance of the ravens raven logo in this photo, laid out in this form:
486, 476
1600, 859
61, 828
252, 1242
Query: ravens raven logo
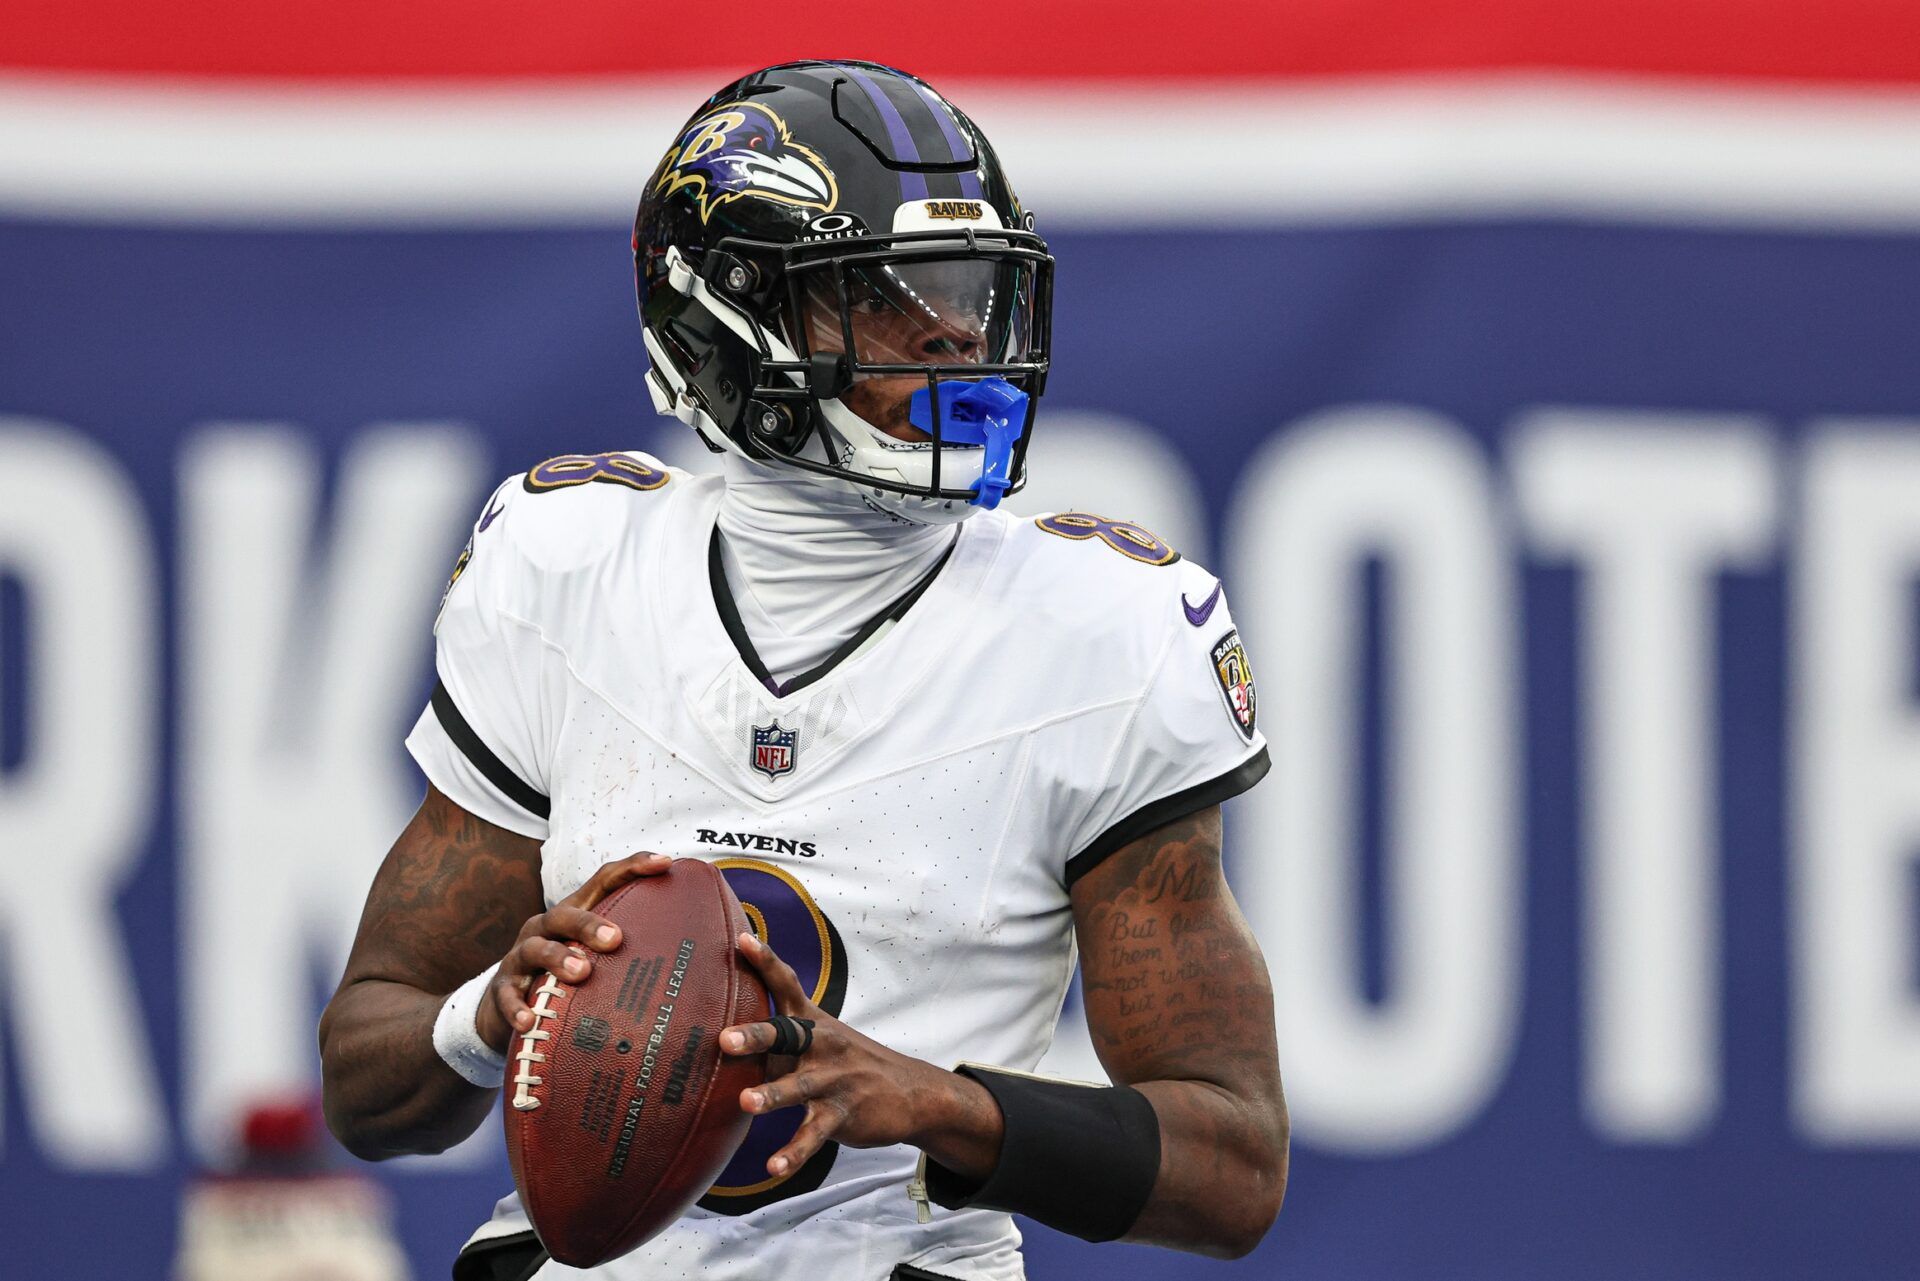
745, 150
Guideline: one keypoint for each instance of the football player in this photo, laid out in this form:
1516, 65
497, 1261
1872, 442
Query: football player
936, 749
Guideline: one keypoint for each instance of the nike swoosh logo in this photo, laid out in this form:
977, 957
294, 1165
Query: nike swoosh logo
493, 515
1199, 614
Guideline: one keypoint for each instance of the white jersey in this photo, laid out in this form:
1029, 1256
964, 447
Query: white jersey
904, 822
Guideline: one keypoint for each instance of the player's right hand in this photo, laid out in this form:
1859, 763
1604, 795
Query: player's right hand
550, 942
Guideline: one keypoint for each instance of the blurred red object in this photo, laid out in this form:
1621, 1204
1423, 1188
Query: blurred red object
286, 1211
281, 1130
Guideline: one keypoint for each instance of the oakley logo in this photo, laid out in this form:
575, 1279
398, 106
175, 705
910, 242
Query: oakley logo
834, 226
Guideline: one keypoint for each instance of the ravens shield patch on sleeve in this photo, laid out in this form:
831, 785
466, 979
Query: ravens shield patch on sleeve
1235, 675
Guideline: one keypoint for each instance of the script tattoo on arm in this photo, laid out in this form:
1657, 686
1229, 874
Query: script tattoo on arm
1181, 1007
448, 902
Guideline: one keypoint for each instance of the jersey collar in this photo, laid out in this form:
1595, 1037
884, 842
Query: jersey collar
868, 633
843, 700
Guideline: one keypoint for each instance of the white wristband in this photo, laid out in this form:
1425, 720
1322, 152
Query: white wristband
456, 1035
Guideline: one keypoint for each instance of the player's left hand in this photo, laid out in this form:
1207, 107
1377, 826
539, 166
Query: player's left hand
856, 1091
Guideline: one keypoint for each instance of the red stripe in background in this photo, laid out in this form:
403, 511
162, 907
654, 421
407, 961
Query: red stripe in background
1867, 41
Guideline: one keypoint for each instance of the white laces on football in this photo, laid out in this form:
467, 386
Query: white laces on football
810, 563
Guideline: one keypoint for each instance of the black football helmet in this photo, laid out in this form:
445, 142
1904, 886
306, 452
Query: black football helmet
819, 234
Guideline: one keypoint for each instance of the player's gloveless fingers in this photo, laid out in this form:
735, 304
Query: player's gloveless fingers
566, 922
543, 942
758, 1038
534, 954
612, 876
748, 1038
555, 957
507, 991
782, 983
790, 1090
822, 1122
515, 979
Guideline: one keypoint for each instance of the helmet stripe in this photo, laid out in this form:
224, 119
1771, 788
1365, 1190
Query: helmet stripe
943, 116
913, 186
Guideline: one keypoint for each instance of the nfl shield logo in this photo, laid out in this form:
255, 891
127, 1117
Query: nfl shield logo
773, 749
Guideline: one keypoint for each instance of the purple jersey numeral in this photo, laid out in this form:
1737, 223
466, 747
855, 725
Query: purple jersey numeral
579, 469
1129, 540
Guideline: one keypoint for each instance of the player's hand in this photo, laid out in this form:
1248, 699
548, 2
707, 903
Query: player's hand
552, 942
856, 1091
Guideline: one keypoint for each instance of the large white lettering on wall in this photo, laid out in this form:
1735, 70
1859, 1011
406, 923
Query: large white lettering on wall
300, 670
77, 811
1856, 776
1412, 489
1651, 507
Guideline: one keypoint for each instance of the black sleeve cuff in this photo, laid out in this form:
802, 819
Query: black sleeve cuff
1079, 1158
491, 767
1158, 814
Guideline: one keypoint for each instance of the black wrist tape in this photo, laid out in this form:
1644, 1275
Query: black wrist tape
1079, 1158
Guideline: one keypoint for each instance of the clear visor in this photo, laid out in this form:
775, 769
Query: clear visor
922, 311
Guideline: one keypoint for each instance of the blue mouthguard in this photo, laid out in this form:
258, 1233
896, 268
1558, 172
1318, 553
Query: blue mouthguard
991, 412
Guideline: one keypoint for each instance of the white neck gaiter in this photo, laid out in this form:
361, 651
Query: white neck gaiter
809, 564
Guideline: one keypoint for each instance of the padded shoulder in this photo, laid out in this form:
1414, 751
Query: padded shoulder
1109, 614
573, 511
576, 507
1109, 576
547, 536
1121, 537
1107, 591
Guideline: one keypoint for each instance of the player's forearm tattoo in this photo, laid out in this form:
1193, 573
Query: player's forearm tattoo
449, 902
1179, 1003
1176, 980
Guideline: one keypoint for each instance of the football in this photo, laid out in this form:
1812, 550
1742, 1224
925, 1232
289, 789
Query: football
620, 1109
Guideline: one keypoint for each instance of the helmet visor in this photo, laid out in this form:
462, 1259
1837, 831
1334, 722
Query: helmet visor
901, 315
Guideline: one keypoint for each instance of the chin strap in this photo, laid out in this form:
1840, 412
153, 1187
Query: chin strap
990, 412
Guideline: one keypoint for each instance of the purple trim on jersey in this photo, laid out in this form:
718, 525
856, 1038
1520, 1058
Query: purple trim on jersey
970, 180
913, 186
